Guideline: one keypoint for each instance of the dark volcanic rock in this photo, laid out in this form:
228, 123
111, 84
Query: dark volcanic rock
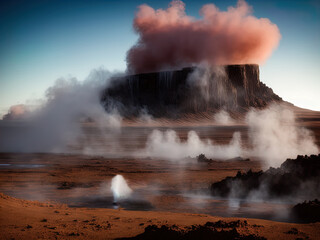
296, 177
207, 231
190, 90
203, 159
307, 211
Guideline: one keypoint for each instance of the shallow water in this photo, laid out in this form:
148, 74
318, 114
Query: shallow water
191, 203
167, 186
19, 166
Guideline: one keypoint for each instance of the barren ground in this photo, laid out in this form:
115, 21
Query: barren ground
50, 196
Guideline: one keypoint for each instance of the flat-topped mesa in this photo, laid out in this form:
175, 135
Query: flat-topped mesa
189, 90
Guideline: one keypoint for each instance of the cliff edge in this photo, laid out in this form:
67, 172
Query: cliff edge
234, 88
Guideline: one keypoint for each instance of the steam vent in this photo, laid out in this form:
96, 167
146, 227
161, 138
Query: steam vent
189, 90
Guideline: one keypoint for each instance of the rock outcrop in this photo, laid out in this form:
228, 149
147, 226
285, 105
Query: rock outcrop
307, 211
294, 179
189, 90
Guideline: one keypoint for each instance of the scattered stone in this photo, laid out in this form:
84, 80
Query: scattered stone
98, 226
70, 185
66, 185
203, 159
238, 159
194, 232
74, 234
222, 224
293, 231
256, 226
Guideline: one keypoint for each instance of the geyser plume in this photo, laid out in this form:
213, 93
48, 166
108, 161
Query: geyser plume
170, 38
120, 188
168, 145
275, 136
223, 117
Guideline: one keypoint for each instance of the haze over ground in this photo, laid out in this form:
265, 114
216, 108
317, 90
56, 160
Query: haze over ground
111, 155
42, 41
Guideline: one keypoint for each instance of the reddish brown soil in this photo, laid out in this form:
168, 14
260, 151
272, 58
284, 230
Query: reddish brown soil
62, 178
22, 219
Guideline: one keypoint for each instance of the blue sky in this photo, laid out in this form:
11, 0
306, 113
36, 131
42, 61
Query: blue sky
43, 40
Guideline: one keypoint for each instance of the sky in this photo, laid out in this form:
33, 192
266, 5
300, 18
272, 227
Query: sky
42, 40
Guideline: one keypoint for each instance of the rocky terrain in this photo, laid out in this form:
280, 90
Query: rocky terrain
308, 211
299, 178
22, 219
210, 230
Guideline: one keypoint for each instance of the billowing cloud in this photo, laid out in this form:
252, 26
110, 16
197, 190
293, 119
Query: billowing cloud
16, 112
170, 38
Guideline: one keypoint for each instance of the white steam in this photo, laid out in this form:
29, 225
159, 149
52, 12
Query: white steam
120, 188
275, 136
222, 117
168, 145
144, 116
209, 84
57, 123
273, 133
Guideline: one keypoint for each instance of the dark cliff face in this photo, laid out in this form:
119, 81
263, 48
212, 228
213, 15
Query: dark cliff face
190, 90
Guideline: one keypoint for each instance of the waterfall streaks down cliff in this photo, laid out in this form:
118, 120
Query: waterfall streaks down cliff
191, 90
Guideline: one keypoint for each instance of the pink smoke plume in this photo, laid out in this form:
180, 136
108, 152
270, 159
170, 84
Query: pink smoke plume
16, 112
169, 38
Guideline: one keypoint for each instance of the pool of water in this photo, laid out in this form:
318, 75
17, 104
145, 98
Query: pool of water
19, 166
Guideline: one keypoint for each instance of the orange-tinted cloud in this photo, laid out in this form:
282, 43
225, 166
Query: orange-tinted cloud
169, 38
16, 112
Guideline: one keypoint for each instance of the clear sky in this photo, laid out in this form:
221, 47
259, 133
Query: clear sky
43, 40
